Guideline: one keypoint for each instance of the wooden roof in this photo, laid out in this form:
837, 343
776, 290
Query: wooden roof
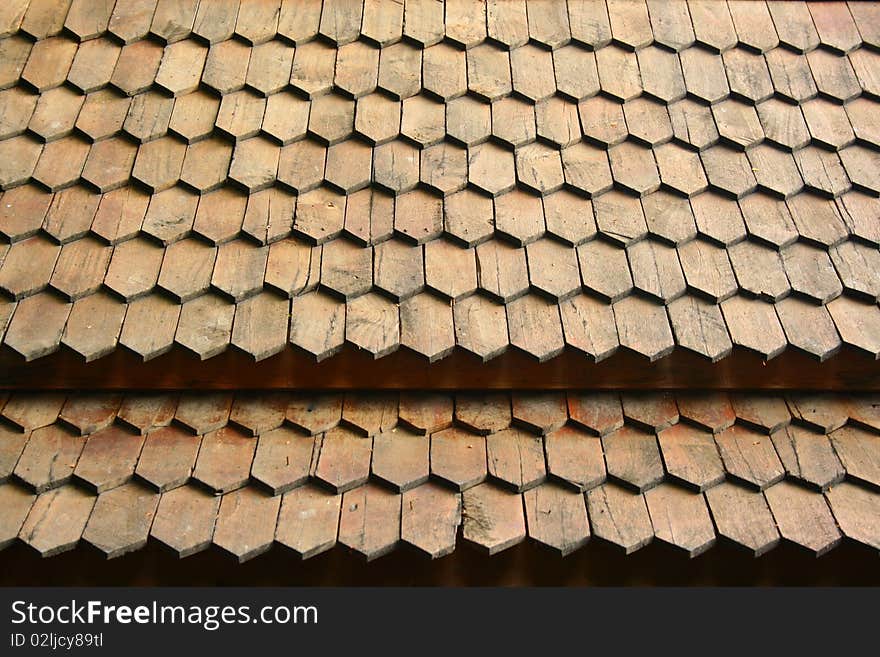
268, 176
373, 472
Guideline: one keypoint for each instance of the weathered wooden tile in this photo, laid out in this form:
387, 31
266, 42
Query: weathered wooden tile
121, 519
491, 169
859, 451
661, 74
699, 326
89, 412
203, 412
742, 517
240, 269
108, 459
598, 413
710, 411
224, 461
794, 25
377, 118
656, 270
400, 70
23, 211
205, 325
216, 24
764, 413
426, 326
240, 115
369, 414
12, 443
401, 459
369, 522
704, 75
28, 267
167, 458
93, 326
619, 517
480, 326
418, 216
458, 459
749, 457
425, 413
49, 458
186, 269
516, 459
343, 462
56, 521
181, 67
864, 411
430, 518
618, 73
834, 75
854, 509
226, 66
836, 26
857, 323
633, 458
254, 164
93, 65
246, 523
206, 164
149, 326
313, 68
15, 51
553, 269
357, 69
185, 520
690, 456
605, 270
194, 116
398, 269
811, 272
61, 163
863, 62
557, 518
630, 24
321, 508
602, 120
17, 502
808, 457
540, 413
493, 518
144, 412
753, 324
317, 324
80, 268
680, 519
803, 517
769, 221
49, 63
136, 67
372, 323
535, 327
620, 217
589, 26
450, 270
707, 270
37, 326
822, 171
643, 327
513, 123
692, 123
671, 23
314, 414
260, 325
159, 163
70, 214
173, 21
808, 327
19, 156
575, 458
257, 22
857, 266
422, 121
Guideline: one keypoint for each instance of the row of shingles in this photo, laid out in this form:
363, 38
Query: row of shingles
633, 24
424, 322
241, 115
632, 458
176, 80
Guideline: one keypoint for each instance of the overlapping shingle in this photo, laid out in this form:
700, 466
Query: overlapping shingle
729, 123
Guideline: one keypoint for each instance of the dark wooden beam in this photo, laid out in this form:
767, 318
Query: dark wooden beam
352, 369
